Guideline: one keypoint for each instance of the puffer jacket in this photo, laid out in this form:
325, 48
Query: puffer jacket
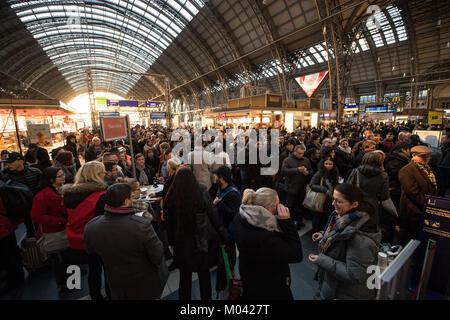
83, 202
374, 184
342, 267
266, 247
28, 176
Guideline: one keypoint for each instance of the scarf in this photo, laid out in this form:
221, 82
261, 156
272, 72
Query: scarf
259, 217
427, 171
336, 225
346, 150
143, 178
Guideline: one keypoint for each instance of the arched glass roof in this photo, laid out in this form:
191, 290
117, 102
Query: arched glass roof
119, 34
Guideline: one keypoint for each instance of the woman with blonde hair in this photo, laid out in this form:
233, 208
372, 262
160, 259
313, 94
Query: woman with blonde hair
267, 241
84, 200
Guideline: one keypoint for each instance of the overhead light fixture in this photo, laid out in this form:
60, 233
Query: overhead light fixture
393, 68
404, 75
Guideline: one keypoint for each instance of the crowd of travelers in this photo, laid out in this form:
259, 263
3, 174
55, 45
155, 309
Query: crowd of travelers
371, 179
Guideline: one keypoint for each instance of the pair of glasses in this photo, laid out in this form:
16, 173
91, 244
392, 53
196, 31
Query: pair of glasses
61, 176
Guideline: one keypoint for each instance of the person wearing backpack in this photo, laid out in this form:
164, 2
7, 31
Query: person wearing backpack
84, 200
17, 171
10, 257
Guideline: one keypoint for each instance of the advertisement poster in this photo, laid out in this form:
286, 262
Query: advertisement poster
311, 82
434, 117
436, 226
40, 134
114, 128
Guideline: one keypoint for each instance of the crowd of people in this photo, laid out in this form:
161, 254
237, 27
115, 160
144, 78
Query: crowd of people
372, 179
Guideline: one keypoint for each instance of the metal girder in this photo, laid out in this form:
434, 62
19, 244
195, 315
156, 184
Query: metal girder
228, 36
412, 45
209, 55
268, 28
376, 65
90, 87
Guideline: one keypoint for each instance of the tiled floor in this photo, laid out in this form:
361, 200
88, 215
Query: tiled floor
41, 285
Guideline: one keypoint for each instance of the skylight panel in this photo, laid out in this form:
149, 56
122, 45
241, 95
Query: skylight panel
133, 44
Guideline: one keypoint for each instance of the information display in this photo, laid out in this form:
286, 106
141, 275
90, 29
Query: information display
432, 137
436, 226
157, 115
151, 104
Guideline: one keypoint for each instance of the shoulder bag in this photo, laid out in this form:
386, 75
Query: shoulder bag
53, 242
314, 200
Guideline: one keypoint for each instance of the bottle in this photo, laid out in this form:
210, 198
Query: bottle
382, 261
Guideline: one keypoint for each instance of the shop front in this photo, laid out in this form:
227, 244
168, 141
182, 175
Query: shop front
19, 120
378, 113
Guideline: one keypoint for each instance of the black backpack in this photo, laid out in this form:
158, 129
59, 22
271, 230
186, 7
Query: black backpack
17, 199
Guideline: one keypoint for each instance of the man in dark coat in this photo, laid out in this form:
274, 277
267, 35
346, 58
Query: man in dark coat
94, 151
37, 157
297, 171
417, 180
131, 251
392, 165
18, 172
72, 146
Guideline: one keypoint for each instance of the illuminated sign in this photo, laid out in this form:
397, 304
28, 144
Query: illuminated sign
311, 82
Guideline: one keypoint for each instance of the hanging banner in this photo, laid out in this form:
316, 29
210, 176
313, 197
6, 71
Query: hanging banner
311, 82
114, 128
40, 134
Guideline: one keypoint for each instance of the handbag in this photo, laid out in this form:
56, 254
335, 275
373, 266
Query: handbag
234, 286
33, 257
314, 200
53, 242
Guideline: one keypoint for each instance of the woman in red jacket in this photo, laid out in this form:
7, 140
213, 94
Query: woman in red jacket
84, 200
49, 213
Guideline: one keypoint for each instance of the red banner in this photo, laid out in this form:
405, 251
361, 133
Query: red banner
114, 128
311, 82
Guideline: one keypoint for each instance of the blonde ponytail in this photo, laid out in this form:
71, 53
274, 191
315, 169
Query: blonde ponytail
264, 197
249, 196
